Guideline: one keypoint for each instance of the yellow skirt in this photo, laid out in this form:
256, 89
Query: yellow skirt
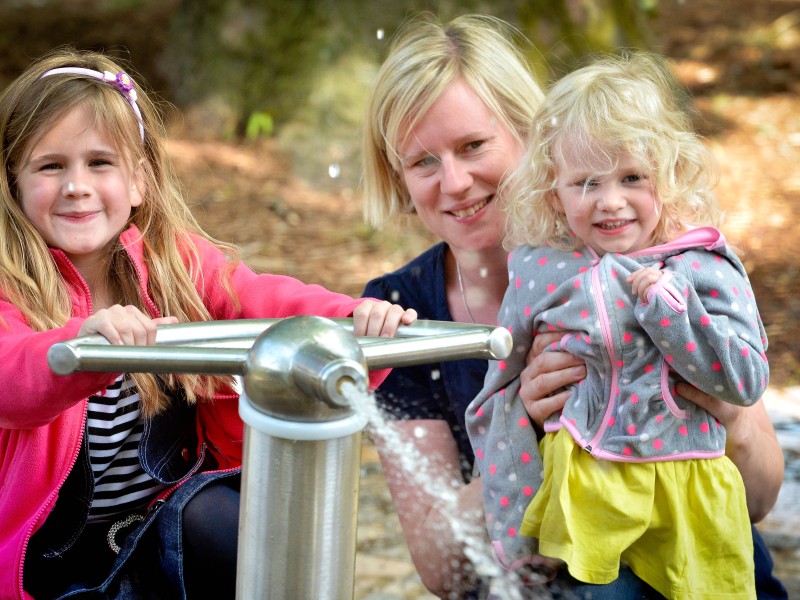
682, 526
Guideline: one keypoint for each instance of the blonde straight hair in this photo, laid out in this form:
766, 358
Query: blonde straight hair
426, 57
29, 278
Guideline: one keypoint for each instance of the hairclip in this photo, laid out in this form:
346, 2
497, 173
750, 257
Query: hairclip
121, 81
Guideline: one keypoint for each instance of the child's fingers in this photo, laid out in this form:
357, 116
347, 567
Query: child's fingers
380, 318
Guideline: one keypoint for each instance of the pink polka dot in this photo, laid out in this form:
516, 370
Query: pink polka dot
745, 352
583, 269
664, 322
551, 288
695, 265
631, 429
614, 273
527, 490
512, 532
620, 363
527, 311
492, 469
584, 314
682, 430
704, 427
560, 324
620, 303
691, 346
577, 283
524, 421
735, 291
716, 366
657, 444
502, 365
627, 451
576, 254
479, 453
659, 418
479, 412
648, 368
627, 337
504, 501
525, 457
542, 261
518, 282
668, 358
588, 340
611, 421
635, 398
714, 294
705, 320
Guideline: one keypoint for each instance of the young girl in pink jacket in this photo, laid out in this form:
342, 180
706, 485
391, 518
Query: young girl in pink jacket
125, 485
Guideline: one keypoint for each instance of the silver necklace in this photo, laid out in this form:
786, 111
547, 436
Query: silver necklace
463, 295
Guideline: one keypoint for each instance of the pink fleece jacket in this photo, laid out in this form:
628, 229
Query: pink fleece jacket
42, 415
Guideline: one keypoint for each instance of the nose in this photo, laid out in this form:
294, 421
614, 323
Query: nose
611, 198
74, 186
455, 177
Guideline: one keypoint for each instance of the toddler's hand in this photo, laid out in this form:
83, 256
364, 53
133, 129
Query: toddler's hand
124, 325
381, 318
642, 280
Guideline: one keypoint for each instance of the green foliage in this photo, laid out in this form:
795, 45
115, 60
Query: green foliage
260, 124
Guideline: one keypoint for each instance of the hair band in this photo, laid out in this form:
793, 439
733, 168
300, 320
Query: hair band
121, 81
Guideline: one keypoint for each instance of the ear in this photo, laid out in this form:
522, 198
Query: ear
137, 188
555, 201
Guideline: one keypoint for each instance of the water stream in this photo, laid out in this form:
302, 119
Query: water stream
468, 529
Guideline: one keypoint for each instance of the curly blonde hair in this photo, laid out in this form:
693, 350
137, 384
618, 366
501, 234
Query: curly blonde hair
627, 104
29, 107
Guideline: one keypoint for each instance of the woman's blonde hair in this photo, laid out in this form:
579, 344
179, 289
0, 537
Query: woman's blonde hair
629, 104
29, 107
425, 57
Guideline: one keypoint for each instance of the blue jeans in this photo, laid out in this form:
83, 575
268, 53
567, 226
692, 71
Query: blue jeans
151, 561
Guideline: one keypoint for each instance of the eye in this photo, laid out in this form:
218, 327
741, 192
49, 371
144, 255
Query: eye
426, 161
633, 178
51, 166
474, 145
586, 183
100, 162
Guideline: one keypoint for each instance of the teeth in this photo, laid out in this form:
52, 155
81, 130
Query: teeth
468, 212
611, 224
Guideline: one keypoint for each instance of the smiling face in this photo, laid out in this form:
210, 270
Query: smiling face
453, 161
611, 207
77, 189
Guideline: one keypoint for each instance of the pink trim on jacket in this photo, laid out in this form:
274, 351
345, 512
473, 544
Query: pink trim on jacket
42, 414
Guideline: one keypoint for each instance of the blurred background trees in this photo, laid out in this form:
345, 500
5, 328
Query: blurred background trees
296, 69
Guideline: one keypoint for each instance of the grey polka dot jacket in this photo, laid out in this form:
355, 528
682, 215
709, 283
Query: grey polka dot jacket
700, 321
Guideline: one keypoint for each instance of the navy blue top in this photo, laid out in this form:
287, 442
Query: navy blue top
432, 391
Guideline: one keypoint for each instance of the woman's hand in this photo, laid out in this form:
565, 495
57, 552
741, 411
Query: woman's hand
375, 318
124, 325
545, 377
751, 444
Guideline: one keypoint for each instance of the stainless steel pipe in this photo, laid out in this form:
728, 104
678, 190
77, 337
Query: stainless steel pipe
302, 444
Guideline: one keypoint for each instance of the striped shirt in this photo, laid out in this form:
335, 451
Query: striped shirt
115, 427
